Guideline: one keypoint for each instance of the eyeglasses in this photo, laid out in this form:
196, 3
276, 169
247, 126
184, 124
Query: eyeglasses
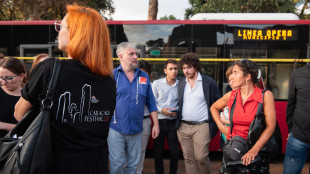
7, 79
58, 26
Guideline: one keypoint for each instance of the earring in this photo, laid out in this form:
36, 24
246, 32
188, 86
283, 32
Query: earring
246, 81
66, 43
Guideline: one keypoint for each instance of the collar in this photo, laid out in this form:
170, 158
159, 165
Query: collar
256, 95
199, 78
120, 68
164, 81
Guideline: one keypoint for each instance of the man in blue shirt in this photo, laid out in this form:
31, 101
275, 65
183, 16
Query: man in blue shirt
133, 92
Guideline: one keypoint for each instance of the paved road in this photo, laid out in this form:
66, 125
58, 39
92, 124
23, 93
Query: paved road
275, 167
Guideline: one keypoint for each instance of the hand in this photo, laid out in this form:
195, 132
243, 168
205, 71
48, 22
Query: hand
166, 111
288, 137
155, 131
173, 114
249, 156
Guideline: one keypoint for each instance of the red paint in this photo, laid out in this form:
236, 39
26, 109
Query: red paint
171, 22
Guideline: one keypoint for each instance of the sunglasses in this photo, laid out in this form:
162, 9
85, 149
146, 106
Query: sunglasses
58, 26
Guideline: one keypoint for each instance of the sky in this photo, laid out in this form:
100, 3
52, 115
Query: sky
138, 9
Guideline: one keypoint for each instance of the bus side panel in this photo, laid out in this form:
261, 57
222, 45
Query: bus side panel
281, 118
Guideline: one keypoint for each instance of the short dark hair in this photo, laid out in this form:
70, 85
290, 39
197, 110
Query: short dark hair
173, 61
248, 67
190, 59
146, 66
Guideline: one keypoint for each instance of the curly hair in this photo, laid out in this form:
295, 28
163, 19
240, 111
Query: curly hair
190, 59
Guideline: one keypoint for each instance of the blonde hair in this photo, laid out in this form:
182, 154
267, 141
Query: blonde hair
89, 40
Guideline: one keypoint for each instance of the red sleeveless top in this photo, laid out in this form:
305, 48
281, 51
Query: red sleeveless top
244, 115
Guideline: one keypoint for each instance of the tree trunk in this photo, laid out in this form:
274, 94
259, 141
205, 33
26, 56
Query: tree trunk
305, 6
153, 9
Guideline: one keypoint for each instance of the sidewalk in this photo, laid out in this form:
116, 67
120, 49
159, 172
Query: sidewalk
275, 167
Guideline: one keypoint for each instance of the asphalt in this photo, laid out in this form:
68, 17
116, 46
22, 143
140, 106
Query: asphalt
276, 166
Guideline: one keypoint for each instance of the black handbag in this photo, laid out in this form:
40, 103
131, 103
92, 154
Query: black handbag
274, 145
27, 149
237, 146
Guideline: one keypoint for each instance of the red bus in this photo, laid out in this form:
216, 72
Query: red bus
278, 47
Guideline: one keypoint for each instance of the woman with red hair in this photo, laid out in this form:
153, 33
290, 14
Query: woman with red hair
85, 93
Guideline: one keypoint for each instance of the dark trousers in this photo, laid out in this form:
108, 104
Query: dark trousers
167, 129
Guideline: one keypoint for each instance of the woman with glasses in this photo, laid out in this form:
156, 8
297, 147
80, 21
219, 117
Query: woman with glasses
85, 93
12, 73
245, 75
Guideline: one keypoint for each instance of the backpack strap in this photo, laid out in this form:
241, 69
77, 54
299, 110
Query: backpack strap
260, 109
232, 109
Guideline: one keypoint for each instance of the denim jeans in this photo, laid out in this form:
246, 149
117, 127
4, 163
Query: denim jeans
124, 152
296, 154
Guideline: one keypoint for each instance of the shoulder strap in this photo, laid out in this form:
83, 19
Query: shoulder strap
232, 109
48, 101
261, 105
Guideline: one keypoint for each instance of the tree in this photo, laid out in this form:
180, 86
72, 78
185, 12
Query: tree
155, 43
239, 6
46, 9
302, 6
170, 17
153, 9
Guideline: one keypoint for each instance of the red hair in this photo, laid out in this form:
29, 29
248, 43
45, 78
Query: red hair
89, 40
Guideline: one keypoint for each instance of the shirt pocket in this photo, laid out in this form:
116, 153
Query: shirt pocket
142, 89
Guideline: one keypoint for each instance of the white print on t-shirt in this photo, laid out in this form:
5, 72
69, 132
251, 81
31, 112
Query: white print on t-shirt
68, 112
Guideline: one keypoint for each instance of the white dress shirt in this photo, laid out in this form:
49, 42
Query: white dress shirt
194, 104
166, 96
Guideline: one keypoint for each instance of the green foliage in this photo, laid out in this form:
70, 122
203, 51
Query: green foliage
303, 6
156, 43
239, 6
170, 17
46, 9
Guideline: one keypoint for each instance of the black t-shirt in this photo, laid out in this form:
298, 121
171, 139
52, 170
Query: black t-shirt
82, 108
7, 105
298, 104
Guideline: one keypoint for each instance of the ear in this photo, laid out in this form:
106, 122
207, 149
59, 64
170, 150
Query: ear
120, 56
248, 77
22, 76
165, 70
